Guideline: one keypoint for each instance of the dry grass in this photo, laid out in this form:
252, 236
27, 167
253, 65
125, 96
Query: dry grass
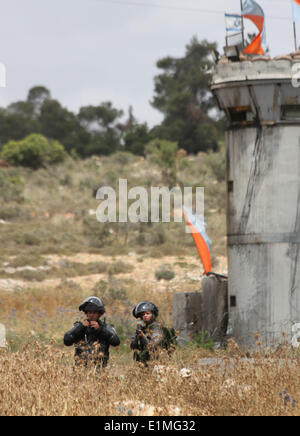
38, 375
42, 380
42, 228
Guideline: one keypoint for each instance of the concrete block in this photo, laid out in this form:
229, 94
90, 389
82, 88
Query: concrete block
214, 307
205, 311
187, 309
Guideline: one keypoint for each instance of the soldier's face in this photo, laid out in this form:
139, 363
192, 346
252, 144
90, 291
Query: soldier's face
146, 316
92, 315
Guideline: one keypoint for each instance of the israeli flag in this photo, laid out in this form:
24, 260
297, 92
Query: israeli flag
233, 23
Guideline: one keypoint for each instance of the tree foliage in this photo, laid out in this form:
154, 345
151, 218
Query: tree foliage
163, 154
182, 95
34, 151
100, 122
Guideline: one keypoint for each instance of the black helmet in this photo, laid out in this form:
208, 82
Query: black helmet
92, 303
143, 307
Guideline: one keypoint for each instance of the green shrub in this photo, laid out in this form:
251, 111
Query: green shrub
28, 239
203, 340
11, 211
163, 154
97, 233
158, 235
29, 259
119, 267
34, 151
11, 187
164, 272
123, 158
110, 291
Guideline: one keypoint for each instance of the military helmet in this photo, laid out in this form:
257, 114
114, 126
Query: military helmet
92, 303
143, 307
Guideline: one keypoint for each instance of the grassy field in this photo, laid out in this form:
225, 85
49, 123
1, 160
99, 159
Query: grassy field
41, 379
54, 253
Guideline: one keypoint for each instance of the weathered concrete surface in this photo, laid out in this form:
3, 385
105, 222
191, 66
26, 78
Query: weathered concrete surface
205, 311
247, 71
186, 313
263, 213
214, 307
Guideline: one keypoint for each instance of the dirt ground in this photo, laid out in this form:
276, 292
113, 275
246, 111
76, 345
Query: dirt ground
188, 271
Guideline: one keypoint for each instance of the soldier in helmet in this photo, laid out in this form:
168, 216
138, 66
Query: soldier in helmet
149, 335
92, 337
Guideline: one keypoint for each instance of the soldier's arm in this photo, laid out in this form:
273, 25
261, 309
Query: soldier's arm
135, 343
109, 334
75, 334
156, 337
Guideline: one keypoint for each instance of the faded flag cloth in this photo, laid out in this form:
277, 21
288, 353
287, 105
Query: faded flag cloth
233, 23
296, 10
252, 11
202, 241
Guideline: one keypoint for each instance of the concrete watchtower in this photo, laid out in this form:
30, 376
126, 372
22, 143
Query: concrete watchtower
262, 103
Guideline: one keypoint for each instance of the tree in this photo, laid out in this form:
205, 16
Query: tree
135, 136
182, 94
36, 98
101, 124
59, 123
14, 124
136, 139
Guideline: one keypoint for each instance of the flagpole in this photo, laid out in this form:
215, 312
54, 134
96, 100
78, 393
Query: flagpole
242, 24
226, 40
295, 36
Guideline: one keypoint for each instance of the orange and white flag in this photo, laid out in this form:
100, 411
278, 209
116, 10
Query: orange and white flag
252, 11
202, 241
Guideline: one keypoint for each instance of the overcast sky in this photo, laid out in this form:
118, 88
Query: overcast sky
90, 51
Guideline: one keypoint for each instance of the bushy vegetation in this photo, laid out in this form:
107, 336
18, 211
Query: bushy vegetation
34, 151
53, 209
164, 272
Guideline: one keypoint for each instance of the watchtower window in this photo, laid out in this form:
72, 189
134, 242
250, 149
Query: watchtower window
240, 114
290, 112
232, 301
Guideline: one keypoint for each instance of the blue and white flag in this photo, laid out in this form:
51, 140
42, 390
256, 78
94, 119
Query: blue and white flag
296, 10
233, 23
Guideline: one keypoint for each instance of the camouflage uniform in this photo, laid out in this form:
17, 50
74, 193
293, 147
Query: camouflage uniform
147, 347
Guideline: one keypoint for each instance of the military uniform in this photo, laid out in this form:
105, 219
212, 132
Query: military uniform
92, 345
147, 347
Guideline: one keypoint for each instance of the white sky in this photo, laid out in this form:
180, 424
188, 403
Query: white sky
90, 51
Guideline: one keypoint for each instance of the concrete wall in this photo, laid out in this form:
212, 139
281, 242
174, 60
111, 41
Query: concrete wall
263, 211
205, 311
